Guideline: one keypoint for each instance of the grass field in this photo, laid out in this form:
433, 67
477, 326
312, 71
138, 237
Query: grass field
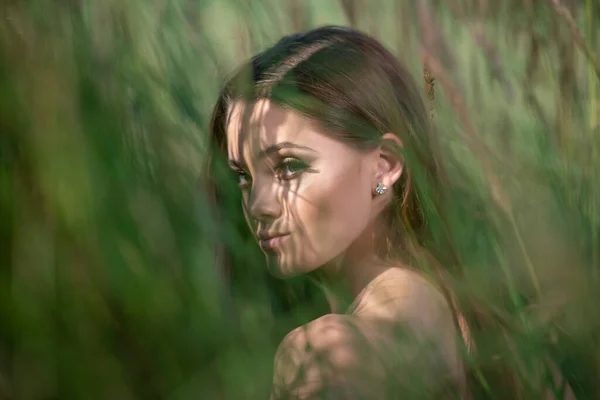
108, 287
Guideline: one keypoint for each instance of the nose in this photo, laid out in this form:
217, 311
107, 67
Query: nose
263, 203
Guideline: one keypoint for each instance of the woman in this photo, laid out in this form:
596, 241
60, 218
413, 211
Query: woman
331, 144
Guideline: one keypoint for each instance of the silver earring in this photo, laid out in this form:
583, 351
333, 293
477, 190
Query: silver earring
380, 188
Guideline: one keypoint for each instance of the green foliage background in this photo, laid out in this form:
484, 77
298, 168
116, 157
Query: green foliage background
108, 287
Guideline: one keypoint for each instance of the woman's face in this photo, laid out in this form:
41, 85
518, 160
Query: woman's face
307, 197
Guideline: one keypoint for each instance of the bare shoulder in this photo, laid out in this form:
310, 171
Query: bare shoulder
409, 303
320, 354
406, 297
321, 332
331, 337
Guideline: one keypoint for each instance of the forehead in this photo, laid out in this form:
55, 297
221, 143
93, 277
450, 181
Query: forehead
252, 127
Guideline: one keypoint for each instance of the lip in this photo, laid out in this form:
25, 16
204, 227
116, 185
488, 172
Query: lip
269, 242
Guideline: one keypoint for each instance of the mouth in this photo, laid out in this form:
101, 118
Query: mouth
271, 243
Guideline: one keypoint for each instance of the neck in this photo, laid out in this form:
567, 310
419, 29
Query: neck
345, 277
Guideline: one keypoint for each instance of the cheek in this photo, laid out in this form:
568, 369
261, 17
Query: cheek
335, 211
249, 221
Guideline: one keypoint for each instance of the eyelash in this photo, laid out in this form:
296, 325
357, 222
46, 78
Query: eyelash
240, 175
280, 173
291, 162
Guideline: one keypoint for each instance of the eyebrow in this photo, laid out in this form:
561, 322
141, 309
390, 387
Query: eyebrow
282, 145
274, 149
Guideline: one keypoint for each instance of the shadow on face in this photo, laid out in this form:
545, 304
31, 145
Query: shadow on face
306, 195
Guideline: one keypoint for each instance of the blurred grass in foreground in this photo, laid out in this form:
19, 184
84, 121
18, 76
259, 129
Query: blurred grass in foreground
108, 286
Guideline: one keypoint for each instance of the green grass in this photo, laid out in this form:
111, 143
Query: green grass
108, 287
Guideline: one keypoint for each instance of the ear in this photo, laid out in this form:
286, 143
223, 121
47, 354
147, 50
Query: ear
389, 164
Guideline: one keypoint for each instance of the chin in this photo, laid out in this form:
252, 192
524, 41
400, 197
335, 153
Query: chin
285, 271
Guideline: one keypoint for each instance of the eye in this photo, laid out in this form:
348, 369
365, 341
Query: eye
244, 180
290, 168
